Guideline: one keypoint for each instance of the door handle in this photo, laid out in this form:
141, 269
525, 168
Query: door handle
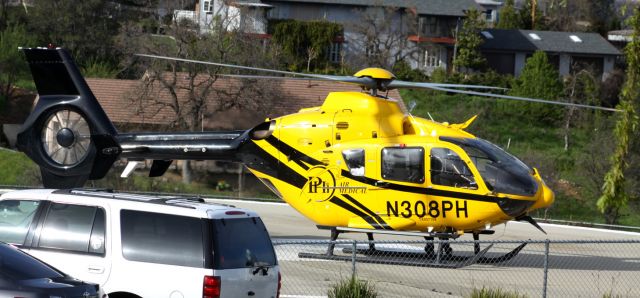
96, 269
381, 184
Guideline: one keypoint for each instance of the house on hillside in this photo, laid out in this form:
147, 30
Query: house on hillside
245, 16
490, 9
429, 26
620, 38
507, 50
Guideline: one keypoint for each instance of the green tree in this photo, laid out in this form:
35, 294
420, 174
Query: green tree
531, 17
539, 79
305, 42
601, 15
86, 28
614, 196
12, 63
468, 54
509, 17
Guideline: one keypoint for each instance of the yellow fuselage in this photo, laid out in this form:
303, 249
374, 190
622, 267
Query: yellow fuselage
304, 161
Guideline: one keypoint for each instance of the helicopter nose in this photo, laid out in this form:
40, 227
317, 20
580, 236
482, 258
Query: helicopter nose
546, 197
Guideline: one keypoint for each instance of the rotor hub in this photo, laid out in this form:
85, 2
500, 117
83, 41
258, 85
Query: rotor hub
65, 137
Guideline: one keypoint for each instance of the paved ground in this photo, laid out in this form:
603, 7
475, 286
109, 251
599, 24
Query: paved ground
575, 269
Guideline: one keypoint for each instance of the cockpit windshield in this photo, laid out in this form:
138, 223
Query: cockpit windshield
501, 171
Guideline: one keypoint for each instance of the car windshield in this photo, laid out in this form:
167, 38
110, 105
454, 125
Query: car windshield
501, 171
242, 243
17, 265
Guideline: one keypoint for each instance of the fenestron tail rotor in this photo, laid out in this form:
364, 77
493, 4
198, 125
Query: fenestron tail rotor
377, 79
68, 133
66, 137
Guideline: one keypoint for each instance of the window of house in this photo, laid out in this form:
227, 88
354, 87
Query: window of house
428, 25
15, 220
71, 227
432, 23
207, 6
370, 50
403, 164
335, 52
432, 57
489, 15
354, 158
448, 169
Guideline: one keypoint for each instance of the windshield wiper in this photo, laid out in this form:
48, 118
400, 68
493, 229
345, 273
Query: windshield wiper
261, 267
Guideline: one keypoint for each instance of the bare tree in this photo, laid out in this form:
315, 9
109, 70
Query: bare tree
581, 87
189, 90
382, 36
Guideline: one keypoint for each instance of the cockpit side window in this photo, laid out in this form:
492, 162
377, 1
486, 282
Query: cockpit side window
448, 169
501, 171
355, 161
403, 164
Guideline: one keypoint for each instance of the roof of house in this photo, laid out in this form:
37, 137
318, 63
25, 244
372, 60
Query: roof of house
116, 98
548, 41
422, 7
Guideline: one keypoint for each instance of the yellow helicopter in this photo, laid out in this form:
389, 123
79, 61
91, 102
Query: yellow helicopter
357, 163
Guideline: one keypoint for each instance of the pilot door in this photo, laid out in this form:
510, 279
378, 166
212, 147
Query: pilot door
453, 188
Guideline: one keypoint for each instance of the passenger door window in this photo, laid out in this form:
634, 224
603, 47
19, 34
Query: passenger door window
15, 220
355, 161
403, 164
448, 169
71, 227
162, 238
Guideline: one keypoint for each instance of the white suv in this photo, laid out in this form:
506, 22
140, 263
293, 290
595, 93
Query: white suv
144, 246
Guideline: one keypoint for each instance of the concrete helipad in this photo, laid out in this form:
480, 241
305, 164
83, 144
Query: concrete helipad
574, 269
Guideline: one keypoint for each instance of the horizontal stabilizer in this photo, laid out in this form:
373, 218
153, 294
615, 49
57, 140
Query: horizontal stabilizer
159, 167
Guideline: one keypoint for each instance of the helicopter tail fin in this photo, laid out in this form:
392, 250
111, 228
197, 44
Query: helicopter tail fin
67, 134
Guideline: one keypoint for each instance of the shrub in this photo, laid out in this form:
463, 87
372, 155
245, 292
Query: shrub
494, 293
352, 288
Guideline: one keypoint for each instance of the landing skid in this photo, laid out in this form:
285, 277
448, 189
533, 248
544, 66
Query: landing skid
448, 262
479, 257
440, 258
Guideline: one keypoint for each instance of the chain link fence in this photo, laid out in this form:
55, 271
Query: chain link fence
547, 268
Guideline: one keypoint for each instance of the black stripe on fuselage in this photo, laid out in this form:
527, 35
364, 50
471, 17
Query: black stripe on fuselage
257, 158
375, 216
355, 211
292, 153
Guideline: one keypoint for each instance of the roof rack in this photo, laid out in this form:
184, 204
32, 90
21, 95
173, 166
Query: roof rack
173, 200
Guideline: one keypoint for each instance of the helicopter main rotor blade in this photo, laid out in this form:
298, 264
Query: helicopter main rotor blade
523, 98
395, 84
240, 76
363, 81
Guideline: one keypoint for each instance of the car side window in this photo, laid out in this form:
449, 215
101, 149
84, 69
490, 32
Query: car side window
448, 169
355, 161
162, 238
69, 227
15, 219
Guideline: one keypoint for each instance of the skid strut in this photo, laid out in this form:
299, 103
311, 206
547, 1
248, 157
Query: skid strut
440, 258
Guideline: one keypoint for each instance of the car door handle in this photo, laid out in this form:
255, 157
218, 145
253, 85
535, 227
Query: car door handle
96, 269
